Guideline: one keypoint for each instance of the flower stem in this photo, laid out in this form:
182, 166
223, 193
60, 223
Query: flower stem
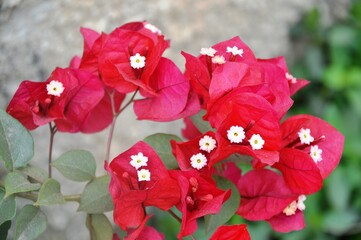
175, 216
116, 113
72, 198
179, 220
53, 130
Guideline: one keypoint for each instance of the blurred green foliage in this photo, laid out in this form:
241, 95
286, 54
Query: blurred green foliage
330, 58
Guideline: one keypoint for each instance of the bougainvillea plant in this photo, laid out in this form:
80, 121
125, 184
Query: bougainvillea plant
234, 108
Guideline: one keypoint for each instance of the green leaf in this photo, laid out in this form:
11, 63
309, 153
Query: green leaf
99, 227
339, 222
203, 126
4, 229
212, 222
160, 142
15, 182
16, 143
7, 207
96, 198
334, 77
76, 165
338, 189
38, 174
30, 223
49, 194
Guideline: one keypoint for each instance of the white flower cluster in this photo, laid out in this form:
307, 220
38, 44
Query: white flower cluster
298, 204
236, 134
219, 59
207, 144
306, 138
139, 161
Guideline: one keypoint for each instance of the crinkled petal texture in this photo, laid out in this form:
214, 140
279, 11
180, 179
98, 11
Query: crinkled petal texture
199, 197
295, 85
93, 45
283, 223
173, 99
274, 88
247, 55
226, 78
200, 70
101, 116
34, 106
233, 232
27, 103
114, 60
84, 97
199, 77
326, 137
264, 194
256, 116
300, 171
130, 196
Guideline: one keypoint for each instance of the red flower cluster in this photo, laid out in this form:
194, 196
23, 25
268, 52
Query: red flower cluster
244, 100
85, 96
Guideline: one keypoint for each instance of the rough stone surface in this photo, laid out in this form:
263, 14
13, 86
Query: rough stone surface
36, 36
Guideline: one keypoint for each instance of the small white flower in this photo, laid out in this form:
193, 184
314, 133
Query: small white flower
208, 51
137, 61
291, 78
300, 202
236, 134
138, 160
316, 153
256, 142
152, 28
290, 209
55, 88
207, 143
235, 51
218, 59
305, 136
143, 175
198, 161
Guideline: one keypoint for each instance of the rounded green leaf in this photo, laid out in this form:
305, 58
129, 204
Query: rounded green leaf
30, 223
160, 142
212, 222
16, 143
7, 207
15, 182
49, 194
76, 165
99, 227
96, 198
36, 173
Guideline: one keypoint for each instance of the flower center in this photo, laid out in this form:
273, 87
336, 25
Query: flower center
198, 161
55, 88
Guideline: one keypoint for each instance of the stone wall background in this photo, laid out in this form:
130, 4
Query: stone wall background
36, 36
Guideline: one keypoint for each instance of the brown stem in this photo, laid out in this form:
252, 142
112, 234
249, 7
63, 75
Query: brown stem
115, 115
53, 130
175, 216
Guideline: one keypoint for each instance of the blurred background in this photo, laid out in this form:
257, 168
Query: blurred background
321, 40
